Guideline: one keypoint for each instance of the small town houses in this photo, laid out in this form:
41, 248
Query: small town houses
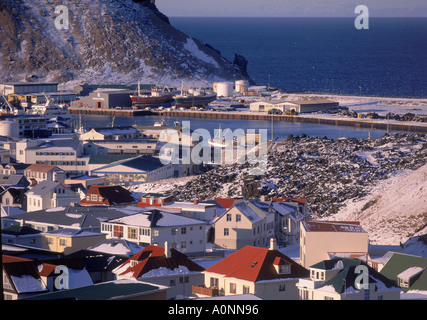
168, 249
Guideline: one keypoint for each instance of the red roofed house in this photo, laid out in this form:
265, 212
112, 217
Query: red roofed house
155, 200
107, 196
264, 272
163, 266
36, 173
320, 239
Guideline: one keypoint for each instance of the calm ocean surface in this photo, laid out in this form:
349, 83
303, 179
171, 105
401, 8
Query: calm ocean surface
280, 129
323, 55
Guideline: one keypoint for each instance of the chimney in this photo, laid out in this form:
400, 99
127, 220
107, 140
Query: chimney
167, 250
196, 201
273, 244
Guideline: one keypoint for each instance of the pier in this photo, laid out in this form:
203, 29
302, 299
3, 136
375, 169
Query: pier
388, 125
354, 122
111, 112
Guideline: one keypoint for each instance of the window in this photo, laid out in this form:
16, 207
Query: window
228, 217
94, 197
246, 290
118, 232
174, 231
132, 233
172, 282
63, 242
214, 282
183, 230
183, 244
232, 287
282, 287
238, 217
184, 279
226, 232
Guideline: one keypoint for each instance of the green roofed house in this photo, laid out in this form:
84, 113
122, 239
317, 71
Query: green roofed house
346, 279
409, 272
112, 290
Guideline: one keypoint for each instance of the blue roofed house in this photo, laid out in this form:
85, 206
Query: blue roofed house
134, 171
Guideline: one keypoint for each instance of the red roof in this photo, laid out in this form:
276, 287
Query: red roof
110, 195
40, 167
153, 257
256, 264
300, 201
226, 202
10, 259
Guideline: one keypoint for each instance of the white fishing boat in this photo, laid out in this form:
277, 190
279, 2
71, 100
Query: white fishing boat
50, 110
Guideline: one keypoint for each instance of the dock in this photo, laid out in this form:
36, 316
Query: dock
388, 125
111, 112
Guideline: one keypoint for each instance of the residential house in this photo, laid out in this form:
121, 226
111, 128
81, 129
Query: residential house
69, 240
244, 224
156, 226
264, 272
135, 171
49, 194
13, 168
99, 265
75, 217
408, 272
152, 199
25, 277
288, 220
37, 173
107, 196
320, 238
22, 235
346, 279
195, 210
116, 133
13, 180
116, 246
163, 266
14, 197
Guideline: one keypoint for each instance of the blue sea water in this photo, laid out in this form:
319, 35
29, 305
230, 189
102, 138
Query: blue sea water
323, 55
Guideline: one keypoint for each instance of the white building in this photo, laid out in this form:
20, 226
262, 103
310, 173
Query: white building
157, 226
66, 154
49, 194
134, 171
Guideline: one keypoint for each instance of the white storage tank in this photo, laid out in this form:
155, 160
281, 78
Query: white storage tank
9, 128
241, 86
224, 89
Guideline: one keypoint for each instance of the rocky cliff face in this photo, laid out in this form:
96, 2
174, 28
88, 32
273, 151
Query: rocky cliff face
107, 41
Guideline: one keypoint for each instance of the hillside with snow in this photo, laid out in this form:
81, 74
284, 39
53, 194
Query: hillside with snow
120, 41
395, 211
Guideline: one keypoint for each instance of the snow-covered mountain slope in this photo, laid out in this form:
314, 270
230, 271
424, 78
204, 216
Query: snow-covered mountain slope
120, 41
395, 211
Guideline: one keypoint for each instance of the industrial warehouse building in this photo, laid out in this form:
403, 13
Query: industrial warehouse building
107, 98
301, 106
27, 87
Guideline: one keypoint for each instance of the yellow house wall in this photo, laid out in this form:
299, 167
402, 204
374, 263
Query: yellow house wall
316, 245
72, 244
